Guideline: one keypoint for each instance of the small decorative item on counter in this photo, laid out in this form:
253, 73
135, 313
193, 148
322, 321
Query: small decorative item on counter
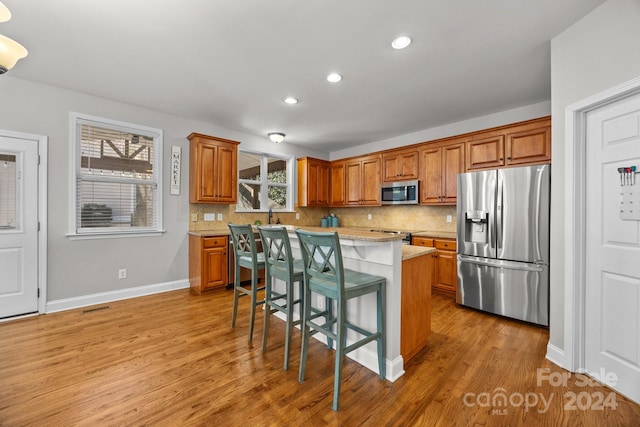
258, 222
324, 222
334, 220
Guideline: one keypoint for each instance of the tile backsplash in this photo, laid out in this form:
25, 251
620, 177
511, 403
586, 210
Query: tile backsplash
427, 218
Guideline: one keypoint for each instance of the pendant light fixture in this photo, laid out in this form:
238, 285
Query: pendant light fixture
10, 50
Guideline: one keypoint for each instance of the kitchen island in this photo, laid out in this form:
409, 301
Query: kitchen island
380, 254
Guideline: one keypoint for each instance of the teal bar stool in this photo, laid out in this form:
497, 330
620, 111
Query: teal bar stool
247, 256
281, 265
325, 275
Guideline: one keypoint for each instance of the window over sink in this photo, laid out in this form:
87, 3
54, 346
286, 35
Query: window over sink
265, 181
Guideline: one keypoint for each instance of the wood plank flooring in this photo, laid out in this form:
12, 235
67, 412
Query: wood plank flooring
172, 359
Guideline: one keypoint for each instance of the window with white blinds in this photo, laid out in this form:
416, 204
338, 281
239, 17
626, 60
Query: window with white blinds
117, 183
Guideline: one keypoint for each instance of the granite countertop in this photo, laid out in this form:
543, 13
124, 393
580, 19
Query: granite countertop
410, 251
353, 233
436, 234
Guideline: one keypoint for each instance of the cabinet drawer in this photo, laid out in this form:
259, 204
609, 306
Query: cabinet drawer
422, 241
447, 245
214, 242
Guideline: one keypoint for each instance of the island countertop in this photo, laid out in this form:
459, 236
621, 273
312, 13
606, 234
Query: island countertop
343, 232
410, 251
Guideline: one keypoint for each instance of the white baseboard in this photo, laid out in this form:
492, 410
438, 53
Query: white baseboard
103, 297
556, 355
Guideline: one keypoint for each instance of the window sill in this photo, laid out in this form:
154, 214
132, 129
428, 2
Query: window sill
118, 235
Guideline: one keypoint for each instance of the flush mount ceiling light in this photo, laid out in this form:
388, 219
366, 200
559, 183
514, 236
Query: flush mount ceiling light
334, 77
10, 50
291, 100
276, 137
401, 42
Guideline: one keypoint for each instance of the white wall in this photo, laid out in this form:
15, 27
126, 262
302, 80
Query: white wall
85, 267
596, 53
514, 115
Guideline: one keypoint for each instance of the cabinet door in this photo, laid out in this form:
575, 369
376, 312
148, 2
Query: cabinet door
445, 270
370, 181
400, 166
452, 165
432, 173
206, 161
485, 153
337, 185
214, 273
528, 147
322, 186
226, 174
353, 184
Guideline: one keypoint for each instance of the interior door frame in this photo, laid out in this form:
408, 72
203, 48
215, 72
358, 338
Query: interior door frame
43, 150
574, 358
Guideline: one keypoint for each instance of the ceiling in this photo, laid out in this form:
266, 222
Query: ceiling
232, 62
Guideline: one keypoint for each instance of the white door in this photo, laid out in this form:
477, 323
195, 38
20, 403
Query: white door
18, 226
612, 310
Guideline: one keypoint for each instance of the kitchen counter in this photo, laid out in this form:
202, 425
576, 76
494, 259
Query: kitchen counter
436, 234
410, 251
351, 233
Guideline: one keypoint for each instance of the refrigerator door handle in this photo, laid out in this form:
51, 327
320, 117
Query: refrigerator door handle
499, 200
536, 217
511, 265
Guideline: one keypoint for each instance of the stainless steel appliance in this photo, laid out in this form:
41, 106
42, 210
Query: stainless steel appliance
503, 242
399, 193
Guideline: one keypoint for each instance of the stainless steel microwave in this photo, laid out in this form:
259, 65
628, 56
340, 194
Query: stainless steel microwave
399, 193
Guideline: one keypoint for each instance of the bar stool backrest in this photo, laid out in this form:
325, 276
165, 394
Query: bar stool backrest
244, 243
277, 252
322, 259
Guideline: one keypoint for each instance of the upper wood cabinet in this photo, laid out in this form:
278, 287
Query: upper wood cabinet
526, 143
400, 165
440, 166
362, 182
213, 169
313, 182
338, 181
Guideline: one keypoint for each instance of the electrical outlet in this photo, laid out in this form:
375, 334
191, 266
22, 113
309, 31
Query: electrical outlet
219, 217
297, 215
209, 217
449, 219
194, 217
122, 273
369, 217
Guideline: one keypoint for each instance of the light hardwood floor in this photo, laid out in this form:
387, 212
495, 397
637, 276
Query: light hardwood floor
172, 359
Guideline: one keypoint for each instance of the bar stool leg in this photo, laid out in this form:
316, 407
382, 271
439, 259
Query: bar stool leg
340, 345
381, 297
236, 295
267, 312
254, 292
305, 336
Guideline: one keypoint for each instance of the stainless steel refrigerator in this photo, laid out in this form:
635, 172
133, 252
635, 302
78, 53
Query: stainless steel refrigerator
503, 242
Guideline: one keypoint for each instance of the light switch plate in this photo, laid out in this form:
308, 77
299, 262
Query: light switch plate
194, 217
219, 217
209, 217
449, 218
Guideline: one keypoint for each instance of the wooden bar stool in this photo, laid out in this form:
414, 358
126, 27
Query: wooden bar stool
324, 274
247, 256
280, 264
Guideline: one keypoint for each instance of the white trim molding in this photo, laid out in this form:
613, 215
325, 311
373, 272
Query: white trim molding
572, 357
104, 297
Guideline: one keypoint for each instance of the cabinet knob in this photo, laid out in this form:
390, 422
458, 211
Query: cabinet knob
508, 158
501, 159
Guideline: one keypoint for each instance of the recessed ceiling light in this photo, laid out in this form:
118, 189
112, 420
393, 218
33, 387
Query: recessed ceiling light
401, 42
291, 100
334, 77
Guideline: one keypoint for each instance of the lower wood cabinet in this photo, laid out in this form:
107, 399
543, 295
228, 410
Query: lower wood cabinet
445, 270
415, 311
208, 263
